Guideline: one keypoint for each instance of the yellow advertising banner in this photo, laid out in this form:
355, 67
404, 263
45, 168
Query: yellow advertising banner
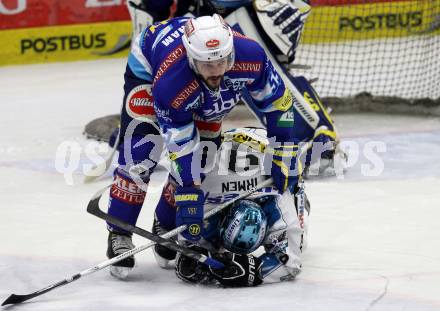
65, 43
370, 21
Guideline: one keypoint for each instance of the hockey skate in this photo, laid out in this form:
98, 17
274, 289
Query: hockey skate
164, 256
117, 244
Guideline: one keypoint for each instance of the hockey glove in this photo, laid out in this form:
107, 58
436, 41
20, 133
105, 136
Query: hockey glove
192, 271
284, 21
189, 204
284, 172
241, 270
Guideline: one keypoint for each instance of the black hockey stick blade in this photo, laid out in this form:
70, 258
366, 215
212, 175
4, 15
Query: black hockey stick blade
14, 299
93, 208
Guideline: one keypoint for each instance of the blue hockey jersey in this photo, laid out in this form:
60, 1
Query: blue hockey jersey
186, 108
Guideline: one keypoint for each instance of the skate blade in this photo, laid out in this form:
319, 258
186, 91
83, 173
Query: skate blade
120, 272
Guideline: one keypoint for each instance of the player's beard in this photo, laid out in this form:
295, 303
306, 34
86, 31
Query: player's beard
213, 82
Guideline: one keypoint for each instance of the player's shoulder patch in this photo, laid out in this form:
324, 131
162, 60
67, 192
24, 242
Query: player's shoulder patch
139, 103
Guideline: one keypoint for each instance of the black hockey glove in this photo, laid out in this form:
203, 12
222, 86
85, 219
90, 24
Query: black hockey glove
192, 271
240, 271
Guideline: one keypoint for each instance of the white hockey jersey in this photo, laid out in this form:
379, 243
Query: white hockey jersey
236, 169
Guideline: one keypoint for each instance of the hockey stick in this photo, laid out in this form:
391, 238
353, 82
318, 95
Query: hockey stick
95, 171
93, 208
14, 299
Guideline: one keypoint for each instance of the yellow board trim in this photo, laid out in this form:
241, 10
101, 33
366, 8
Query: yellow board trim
327, 24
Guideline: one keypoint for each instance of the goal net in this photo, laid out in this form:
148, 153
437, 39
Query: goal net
371, 53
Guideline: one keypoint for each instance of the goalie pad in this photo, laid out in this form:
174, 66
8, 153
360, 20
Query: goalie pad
140, 18
283, 21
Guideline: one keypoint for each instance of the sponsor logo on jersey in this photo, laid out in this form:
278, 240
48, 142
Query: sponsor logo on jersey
160, 35
127, 191
236, 84
190, 89
239, 185
193, 106
170, 60
286, 119
246, 67
163, 114
285, 102
63, 43
173, 36
219, 103
212, 44
139, 103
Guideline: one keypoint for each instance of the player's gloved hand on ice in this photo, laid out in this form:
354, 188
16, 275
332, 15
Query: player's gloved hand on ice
241, 270
189, 204
192, 271
284, 169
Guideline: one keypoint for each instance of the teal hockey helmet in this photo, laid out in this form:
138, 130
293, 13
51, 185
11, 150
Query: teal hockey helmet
244, 227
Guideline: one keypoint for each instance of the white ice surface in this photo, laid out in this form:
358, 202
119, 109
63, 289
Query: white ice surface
374, 240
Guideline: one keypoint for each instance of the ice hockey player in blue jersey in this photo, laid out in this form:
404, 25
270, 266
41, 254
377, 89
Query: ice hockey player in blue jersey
182, 78
277, 25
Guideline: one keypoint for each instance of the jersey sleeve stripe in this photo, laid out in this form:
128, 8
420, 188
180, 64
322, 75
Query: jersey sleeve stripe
182, 134
137, 61
138, 68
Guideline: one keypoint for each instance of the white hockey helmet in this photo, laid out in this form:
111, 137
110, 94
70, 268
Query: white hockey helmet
208, 39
